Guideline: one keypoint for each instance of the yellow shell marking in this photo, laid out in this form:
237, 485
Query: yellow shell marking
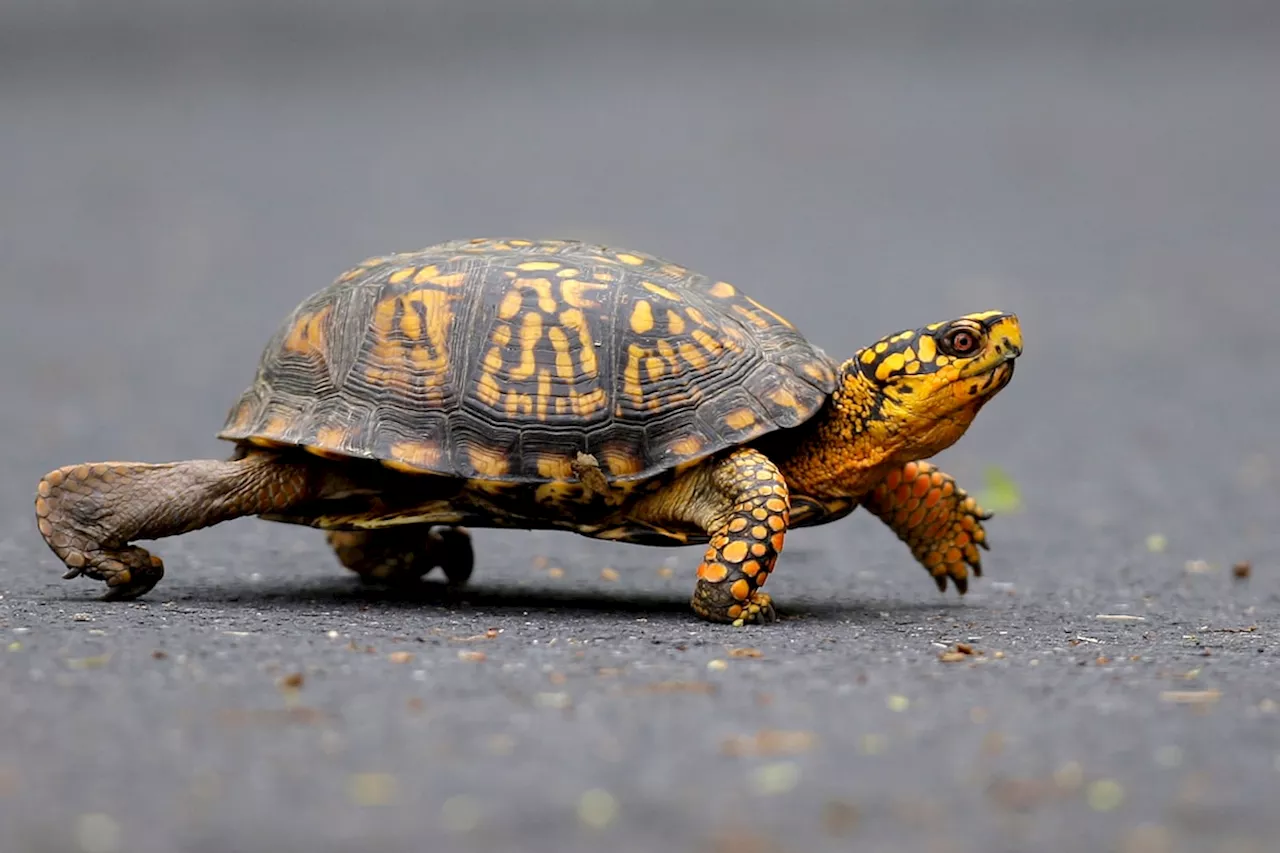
574, 320
534, 266
530, 334
413, 456
687, 446
751, 317
544, 392
654, 367
568, 273
541, 286
578, 294
487, 389
710, 344
554, 467
740, 419
401, 276
630, 260
783, 397
488, 461
631, 374
307, 337
723, 289
330, 437
675, 323
510, 305
641, 317
602, 276
660, 291
693, 355
564, 360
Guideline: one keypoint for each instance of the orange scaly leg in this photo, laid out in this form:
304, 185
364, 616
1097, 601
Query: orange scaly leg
937, 520
746, 538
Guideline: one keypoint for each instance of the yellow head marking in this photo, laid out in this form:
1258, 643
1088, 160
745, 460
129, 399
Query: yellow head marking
916, 393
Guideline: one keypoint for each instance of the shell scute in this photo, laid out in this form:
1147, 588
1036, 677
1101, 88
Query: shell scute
502, 360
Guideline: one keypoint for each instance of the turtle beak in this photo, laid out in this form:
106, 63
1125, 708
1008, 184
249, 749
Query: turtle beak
1005, 334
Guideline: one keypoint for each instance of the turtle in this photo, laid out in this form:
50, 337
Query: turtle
562, 385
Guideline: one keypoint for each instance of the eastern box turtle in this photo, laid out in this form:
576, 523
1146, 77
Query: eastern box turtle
560, 385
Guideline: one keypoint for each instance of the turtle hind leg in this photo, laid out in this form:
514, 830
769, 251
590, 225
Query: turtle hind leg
89, 514
403, 554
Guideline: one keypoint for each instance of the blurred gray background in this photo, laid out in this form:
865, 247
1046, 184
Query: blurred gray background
176, 176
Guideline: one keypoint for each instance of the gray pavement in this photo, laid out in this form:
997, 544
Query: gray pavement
172, 184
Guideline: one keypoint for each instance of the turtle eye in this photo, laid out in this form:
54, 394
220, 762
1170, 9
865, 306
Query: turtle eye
960, 342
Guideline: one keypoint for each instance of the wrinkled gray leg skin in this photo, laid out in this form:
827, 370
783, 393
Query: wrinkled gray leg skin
401, 555
88, 514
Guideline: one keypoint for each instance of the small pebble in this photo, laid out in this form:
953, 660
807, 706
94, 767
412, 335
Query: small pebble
717, 665
776, 778
97, 833
1157, 543
400, 657
898, 703
472, 657
553, 700
597, 808
1242, 570
460, 814
82, 617
609, 574
371, 789
1069, 776
555, 573
1105, 795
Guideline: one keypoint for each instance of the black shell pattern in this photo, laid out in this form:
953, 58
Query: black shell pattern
502, 360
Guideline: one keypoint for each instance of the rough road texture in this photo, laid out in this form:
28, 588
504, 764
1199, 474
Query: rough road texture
171, 185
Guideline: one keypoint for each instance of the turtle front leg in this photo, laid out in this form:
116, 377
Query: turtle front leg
88, 514
937, 520
404, 554
742, 502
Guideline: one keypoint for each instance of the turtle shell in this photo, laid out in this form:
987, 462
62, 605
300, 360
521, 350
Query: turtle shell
505, 359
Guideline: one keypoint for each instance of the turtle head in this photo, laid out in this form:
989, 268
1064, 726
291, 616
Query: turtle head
917, 391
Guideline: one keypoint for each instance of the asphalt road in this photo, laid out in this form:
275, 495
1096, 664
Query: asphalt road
164, 201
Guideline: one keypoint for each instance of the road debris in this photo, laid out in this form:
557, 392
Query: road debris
1191, 697
1119, 617
768, 742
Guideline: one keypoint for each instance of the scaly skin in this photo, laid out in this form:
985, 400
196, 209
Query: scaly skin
402, 555
88, 514
747, 533
937, 520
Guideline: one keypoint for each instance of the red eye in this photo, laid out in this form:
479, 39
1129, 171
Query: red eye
961, 342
